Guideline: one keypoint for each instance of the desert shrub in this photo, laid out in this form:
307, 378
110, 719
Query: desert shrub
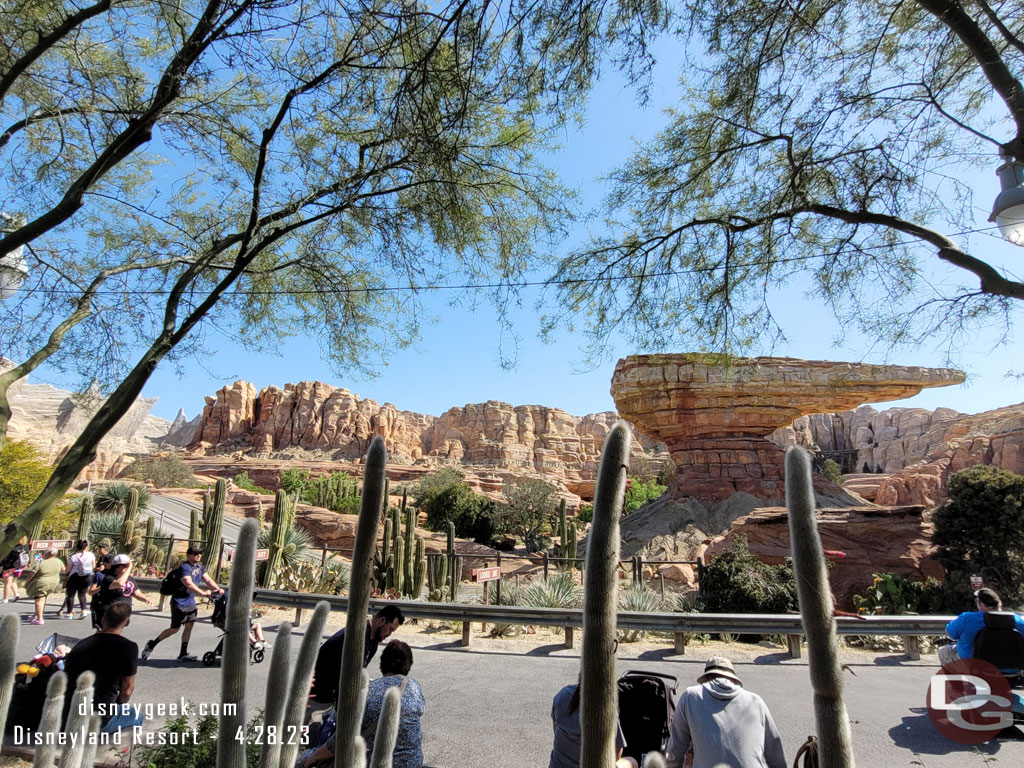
586, 513
23, 473
444, 496
297, 544
113, 497
180, 743
689, 603
637, 597
293, 480
831, 471
737, 582
639, 493
163, 472
529, 512
980, 530
889, 593
559, 590
308, 577
241, 480
510, 595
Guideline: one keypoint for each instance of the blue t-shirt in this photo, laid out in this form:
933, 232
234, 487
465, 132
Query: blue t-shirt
965, 627
184, 598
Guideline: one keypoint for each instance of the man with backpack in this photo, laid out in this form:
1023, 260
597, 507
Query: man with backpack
721, 723
182, 585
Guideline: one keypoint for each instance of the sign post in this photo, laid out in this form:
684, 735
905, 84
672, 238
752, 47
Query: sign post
51, 544
482, 576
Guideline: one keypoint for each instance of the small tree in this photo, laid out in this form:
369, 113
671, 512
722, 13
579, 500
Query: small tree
980, 530
23, 473
530, 511
445, 497
163, 472
830, 471
737, 582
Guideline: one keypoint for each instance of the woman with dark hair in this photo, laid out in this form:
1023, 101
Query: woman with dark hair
80, 569
565, 717
395, 663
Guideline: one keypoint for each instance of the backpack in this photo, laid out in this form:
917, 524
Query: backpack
999, 643
646, 705
171, 583
24, 559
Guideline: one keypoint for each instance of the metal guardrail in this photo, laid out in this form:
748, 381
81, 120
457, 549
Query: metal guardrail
910, 628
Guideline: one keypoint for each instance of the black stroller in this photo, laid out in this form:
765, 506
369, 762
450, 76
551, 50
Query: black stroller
219, 619
646, 704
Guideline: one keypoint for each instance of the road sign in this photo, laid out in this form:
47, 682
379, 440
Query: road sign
486, 574
52, 544
262, 554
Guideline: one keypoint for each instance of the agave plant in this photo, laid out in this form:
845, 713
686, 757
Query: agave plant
297, 545
113, 497
511, 594
637, 597
560, 590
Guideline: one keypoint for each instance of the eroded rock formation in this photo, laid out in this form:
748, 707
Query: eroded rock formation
715, 418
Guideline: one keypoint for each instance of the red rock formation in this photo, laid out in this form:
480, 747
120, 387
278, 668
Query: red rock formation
714, 418
874, 540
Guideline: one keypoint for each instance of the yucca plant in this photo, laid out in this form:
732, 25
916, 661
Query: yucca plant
637, 597
297, 545
560, 590
511, 594
113, 497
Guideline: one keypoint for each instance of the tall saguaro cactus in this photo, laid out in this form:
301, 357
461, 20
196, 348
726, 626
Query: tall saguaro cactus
85, 517
816, 609
598, 694
282, 521
195, 534
213, 523
348, 744
8, 663
129, 539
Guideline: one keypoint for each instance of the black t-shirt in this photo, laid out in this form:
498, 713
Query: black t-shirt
110, 657
13, 559
328, 664
109, 592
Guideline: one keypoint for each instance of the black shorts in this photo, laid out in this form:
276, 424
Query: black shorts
179, 617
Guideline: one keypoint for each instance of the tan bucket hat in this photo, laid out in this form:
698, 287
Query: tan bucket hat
719, 666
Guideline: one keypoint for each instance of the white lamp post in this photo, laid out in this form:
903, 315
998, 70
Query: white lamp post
1008, 209
13, 269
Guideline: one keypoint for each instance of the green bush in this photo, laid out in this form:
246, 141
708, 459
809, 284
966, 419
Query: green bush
890, 594
241, 480
293, 480
444, 496
163, 472
637, 597
980, 530
831, 471
113, 497
297, 544
737, 582
639, 493
181, 748
586, 513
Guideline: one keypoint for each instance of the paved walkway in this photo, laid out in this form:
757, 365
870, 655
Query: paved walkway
487, 707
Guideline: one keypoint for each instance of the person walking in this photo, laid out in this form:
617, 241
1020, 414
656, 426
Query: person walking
80, 569
183, 603
43, 581
11, 569
108, 587
723, 725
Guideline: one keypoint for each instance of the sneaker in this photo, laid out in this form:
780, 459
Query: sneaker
147, 651
36, 621
188, 657
62, 615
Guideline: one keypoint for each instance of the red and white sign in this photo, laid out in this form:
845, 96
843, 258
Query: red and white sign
52, 544
262, 554
486, 574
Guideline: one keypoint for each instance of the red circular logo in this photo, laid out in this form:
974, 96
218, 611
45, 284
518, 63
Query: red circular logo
970, 701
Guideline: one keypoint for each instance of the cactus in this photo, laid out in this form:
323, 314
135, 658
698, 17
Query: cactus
816, 609
449, 550
36, 533
50, 720
571, 547
230, 750
85, 517
598, 694
277, 695
298, 689
129, 537
398, 567
419, 572
437, 576
78, 721
408, 563
454, 577
8, 662
212, 525
387, 729
563, 528
279, 526
348, 743
194, 531
91, 745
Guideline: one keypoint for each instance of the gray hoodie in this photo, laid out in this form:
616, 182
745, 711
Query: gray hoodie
726, 726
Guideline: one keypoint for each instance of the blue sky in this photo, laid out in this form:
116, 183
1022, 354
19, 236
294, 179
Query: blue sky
457, 361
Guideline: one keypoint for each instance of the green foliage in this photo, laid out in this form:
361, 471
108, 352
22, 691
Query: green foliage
114, 497
637, 597
831, 471
586, 513
980, 530
510, 595
445, 497
182, 749
294, 481
297, 544
737, 582
241, 480
559, 590
889, 594
530, 512
23, 473
163, 472
639, 492
305, 576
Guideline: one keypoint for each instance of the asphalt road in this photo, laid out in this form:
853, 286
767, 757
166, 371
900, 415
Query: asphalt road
493, 708
173, 515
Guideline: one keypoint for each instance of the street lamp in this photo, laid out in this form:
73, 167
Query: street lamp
1008, 209
13, 269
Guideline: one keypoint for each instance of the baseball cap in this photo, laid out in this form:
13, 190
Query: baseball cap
120, 560
194, 550
719, 666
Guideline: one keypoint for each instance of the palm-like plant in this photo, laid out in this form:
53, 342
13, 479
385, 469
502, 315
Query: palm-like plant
297, 545
113, 497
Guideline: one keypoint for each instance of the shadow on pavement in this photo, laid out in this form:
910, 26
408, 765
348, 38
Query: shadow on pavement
546, 650
917, 735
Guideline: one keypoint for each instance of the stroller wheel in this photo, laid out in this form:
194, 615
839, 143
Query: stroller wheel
257, 656
209, 658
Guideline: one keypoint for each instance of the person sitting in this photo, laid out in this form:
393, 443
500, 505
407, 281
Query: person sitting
565, 718
113, 659
395, 663
965, 627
